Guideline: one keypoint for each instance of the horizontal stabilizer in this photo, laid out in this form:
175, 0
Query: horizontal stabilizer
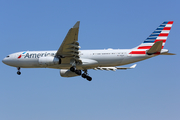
168, 54
115, 68
155, 48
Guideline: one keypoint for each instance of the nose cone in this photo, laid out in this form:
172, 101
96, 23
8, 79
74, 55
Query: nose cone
7, 61
11, 60
4, 61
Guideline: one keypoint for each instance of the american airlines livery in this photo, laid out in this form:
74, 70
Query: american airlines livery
73, 61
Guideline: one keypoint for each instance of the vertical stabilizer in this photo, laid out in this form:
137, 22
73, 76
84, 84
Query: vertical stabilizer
160, 34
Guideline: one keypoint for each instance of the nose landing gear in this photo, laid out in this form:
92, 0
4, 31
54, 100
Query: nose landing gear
18, 72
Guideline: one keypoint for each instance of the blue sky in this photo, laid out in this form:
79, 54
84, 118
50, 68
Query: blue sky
150, 91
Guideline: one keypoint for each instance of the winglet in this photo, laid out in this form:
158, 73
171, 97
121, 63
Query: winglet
124, 68
133, 66
77, 24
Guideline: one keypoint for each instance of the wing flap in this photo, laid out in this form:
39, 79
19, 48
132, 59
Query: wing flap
106, 68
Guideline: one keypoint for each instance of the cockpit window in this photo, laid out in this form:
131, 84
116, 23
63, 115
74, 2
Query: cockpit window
7, 56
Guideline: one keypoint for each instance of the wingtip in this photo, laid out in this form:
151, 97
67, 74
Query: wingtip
77, 24
133, 66
168, 54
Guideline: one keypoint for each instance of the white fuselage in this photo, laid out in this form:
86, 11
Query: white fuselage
90, 59
73, 61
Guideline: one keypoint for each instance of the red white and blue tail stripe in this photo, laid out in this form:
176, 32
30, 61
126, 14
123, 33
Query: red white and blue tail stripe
160, 34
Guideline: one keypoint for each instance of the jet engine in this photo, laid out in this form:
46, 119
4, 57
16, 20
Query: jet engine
67, 73
49, 60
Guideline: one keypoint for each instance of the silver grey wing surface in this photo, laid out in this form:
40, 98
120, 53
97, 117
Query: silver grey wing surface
115, 68
69, 48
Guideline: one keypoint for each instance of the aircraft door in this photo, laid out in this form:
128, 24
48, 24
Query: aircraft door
121, 56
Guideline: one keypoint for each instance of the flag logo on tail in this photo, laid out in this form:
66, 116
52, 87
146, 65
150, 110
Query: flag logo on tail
160, 34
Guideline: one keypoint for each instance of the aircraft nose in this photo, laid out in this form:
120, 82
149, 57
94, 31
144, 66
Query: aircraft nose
9, 61
4, 60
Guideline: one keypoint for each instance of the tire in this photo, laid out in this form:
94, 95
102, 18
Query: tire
72, 69
89, 78
78, 72
19, 73
83, 75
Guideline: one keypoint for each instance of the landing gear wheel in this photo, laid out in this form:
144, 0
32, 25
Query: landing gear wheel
78, 72
88, 78
18, 72
72, 69
83, 75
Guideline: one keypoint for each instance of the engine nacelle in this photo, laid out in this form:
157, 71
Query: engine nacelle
67, 73
49, 60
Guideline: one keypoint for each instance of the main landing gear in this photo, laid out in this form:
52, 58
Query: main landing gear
85, 75
18, 72
78, 72
73, 69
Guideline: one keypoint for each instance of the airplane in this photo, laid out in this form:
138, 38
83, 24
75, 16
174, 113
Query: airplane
72, 62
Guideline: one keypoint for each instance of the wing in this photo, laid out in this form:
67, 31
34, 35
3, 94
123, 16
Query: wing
115, 68
69, 48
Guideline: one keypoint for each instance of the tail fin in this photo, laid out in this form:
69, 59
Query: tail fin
160, 34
